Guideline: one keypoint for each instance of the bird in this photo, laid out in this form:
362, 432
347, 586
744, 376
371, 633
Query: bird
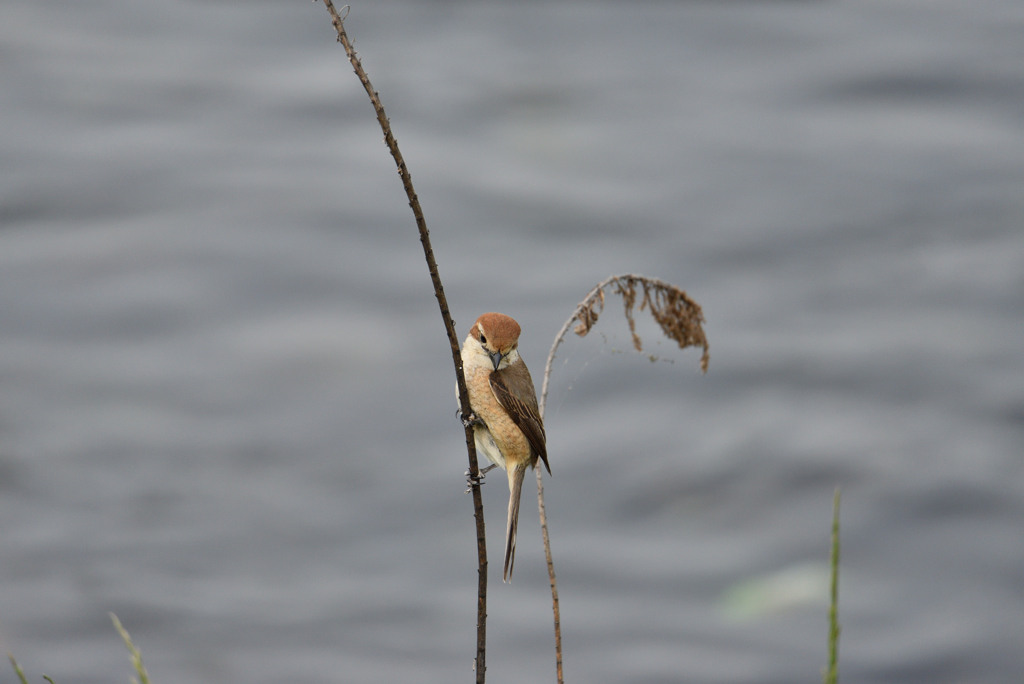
507, 425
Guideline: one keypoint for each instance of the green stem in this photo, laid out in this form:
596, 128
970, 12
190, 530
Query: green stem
17, 669
832, 672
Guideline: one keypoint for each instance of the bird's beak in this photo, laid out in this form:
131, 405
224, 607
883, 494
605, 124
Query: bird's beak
495, 358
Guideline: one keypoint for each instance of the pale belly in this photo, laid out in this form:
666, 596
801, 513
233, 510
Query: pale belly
486, 445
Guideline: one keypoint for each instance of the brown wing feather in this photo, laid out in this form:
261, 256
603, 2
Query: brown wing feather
513, 388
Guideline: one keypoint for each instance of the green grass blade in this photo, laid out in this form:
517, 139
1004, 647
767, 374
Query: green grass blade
17, 669
831, 674
136, 656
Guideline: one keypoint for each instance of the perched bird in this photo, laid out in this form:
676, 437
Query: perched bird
506, 420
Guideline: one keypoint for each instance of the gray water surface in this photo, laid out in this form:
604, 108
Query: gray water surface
226, 408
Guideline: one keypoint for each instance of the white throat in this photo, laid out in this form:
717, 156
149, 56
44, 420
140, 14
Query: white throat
507, 361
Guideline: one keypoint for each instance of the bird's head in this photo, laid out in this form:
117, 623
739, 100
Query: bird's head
498, 336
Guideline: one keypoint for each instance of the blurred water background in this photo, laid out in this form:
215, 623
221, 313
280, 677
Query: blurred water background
226, 407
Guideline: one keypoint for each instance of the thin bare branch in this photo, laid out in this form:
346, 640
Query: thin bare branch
480, 665
551, 577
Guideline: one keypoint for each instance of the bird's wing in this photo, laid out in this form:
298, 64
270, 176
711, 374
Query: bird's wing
513, 388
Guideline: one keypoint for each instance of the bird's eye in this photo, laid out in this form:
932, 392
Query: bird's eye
483, 339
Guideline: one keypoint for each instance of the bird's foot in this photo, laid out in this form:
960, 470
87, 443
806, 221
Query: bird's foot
479, 479
468, 421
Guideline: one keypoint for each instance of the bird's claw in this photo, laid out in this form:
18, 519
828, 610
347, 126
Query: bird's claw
470, 420
479, 479
473, 481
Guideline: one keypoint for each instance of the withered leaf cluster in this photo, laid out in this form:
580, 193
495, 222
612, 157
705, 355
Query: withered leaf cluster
679, 316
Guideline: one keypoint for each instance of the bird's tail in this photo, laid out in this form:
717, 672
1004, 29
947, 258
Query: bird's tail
515, 487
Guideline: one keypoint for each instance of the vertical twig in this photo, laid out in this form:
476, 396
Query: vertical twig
414, 203
831, 675
551, 573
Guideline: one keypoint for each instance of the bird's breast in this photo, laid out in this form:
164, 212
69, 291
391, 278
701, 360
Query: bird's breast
504, 432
